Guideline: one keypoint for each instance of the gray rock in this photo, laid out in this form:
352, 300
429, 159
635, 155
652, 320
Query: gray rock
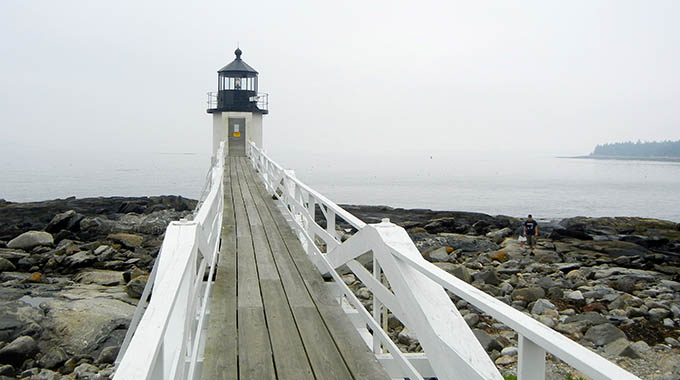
471, 319
530, 294
575, 296
625, 300
640, 346
60, 221
18, 350
29, 240
590, 317
438, 255
83, 324
101, 277
53, 358
108, 355
466, 243
673, 285
510, 350
667, 322
672, 342
541, 306
488, 277
460, 271
636, 274
128, 240
499, 235
7, 370
46, 374
546, 320
658, 314
573, 328
488, 343
407, 337
86, 371
568, 267
505, 360
6, 265
545, 283
603, 334
621, 347
79, 259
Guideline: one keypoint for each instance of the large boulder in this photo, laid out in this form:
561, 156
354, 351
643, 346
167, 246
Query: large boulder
128, 240
488, 342
459, 271
82, 326
135, 287
69, 220
604, 334
498, 236
100, 277
29, 240
6, 265
18, 350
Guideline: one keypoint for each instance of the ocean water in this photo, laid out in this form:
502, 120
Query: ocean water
509, 184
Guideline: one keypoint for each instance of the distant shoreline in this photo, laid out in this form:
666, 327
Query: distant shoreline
626, 158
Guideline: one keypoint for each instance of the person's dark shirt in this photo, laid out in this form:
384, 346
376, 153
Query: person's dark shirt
530, 225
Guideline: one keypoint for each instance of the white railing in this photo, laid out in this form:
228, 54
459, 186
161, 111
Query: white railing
414, 290
168, 342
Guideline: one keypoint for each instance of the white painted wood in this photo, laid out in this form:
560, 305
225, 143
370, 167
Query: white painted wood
531, 360
418, 360
453, 350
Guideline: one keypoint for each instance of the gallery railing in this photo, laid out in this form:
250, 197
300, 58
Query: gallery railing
414, 290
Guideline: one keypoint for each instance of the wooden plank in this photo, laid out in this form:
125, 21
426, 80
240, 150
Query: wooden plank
326, 361
360, 360
289, 354
254, 350
290, 357
221, 354
324, 357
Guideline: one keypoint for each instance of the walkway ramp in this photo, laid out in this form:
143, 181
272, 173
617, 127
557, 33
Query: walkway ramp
272, 316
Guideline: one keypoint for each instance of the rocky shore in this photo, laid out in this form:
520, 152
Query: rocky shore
611, 284
72, 270
71, 273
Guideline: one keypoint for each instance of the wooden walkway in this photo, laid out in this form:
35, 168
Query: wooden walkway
272, 316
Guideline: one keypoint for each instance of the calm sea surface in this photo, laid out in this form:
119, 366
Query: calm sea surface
514, 185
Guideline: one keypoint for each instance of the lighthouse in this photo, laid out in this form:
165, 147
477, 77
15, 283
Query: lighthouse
237, 107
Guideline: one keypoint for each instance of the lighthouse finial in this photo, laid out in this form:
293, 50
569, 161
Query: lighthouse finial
238, 52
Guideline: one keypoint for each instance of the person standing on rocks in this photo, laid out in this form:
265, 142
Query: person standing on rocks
530, 229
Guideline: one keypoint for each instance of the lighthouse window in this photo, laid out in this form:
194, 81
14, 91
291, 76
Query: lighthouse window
237, 128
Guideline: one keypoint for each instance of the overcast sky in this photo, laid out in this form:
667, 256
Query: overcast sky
421, 76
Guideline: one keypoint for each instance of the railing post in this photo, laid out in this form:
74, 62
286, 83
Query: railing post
531, 359
377, 307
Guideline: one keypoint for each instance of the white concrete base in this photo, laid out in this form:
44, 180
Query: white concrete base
253, 128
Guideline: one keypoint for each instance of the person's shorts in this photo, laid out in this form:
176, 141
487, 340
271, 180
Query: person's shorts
521, 239
531, 239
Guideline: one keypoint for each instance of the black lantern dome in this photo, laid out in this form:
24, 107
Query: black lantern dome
237, 89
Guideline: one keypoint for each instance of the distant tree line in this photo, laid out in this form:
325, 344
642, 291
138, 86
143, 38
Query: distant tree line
639, 149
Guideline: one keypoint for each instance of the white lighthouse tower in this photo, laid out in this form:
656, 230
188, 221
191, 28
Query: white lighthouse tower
238, 108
